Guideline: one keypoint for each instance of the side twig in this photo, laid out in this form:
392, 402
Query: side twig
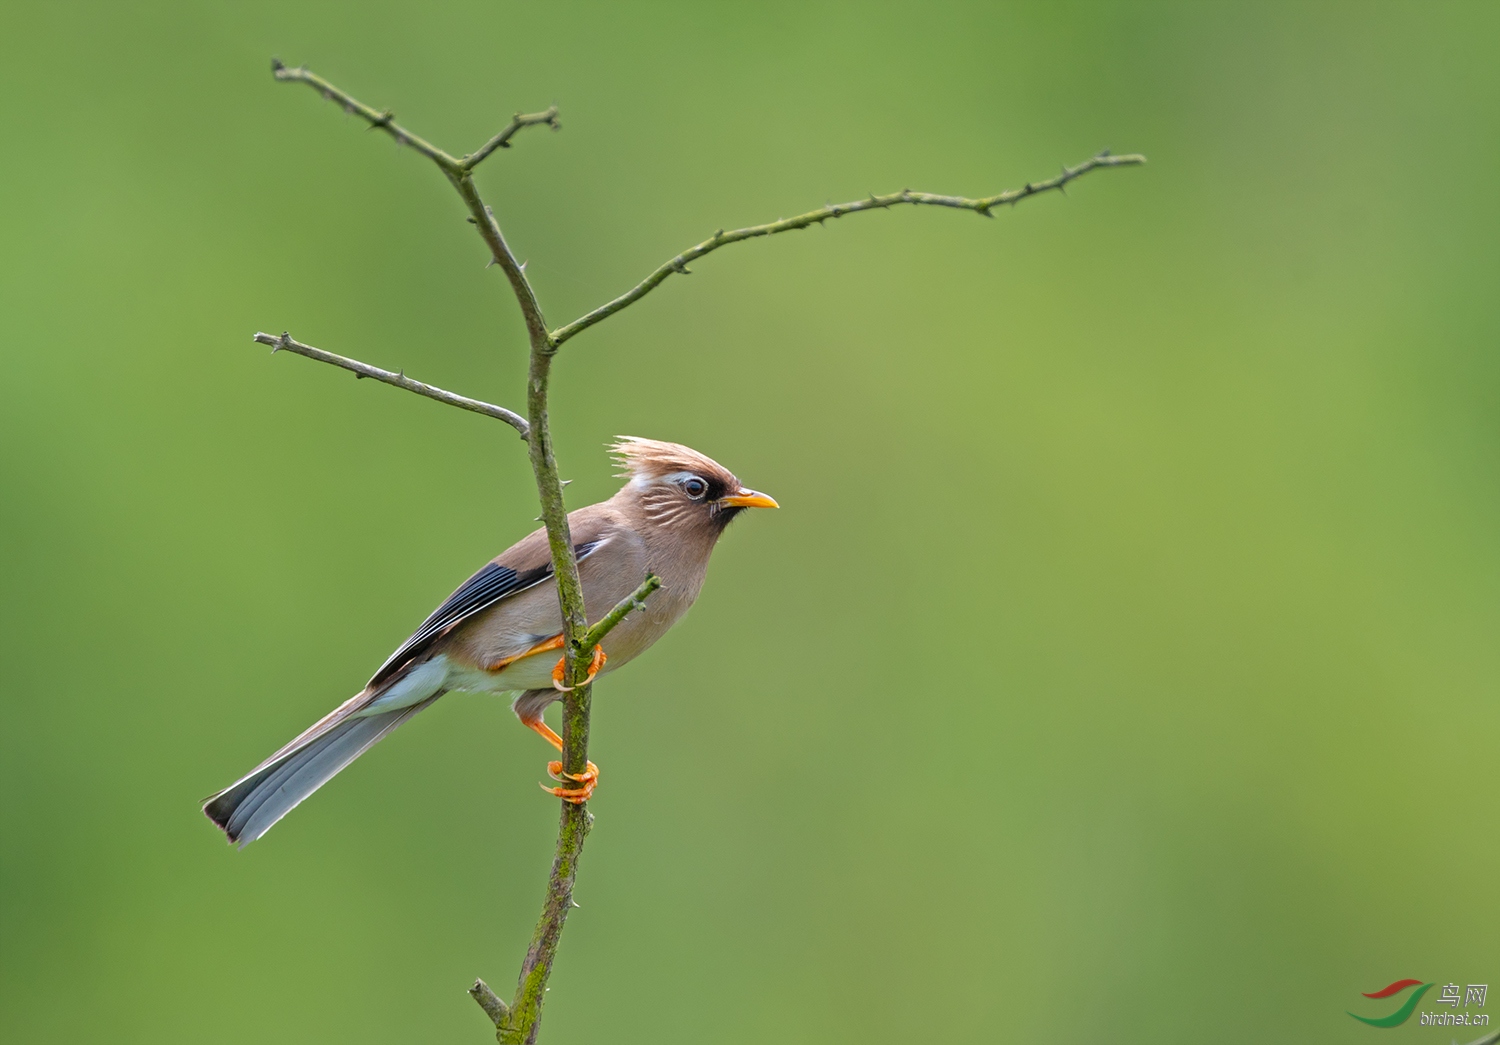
285, 343
636, 600
489, 1001
983, 205
502, 140
385, 120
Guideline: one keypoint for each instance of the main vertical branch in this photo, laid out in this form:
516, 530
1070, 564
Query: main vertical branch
524, 1018
539, 436
526, 1011
523, 1021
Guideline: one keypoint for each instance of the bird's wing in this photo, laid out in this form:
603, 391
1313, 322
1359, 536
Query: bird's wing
490, 585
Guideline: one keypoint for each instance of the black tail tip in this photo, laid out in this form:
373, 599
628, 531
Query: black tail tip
219, 809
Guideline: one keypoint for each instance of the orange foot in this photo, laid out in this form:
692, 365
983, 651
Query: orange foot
561, 671
587, 780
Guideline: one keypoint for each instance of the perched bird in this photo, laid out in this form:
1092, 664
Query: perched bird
494, 634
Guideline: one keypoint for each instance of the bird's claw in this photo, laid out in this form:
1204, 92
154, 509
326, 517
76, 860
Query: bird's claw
561, 671
590, 774
587, 781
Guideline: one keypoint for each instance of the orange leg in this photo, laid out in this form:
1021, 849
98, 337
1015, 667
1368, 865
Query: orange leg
587, 780
561, 671
555, 642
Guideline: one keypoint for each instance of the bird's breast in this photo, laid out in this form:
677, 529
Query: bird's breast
608, 575
639, 632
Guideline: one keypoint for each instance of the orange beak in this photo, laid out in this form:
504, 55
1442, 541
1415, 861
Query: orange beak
749, 499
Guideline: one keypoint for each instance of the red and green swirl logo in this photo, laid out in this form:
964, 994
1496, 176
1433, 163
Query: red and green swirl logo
1402, 1014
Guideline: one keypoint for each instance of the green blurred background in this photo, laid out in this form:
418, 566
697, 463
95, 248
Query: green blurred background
1121, 667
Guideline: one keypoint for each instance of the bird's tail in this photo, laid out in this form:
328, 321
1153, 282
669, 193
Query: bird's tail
247, 808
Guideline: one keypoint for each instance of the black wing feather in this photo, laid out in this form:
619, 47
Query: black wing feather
481, 591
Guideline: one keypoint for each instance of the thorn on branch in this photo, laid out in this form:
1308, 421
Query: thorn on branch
383, 120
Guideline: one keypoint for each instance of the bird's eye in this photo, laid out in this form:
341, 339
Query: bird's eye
694, 487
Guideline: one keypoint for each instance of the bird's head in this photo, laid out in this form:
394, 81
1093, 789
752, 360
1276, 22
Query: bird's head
680, 488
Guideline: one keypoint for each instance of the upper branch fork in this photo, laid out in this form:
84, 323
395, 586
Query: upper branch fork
385, 120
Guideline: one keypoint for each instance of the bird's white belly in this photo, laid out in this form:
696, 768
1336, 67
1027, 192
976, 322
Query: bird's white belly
441, 673
534, 672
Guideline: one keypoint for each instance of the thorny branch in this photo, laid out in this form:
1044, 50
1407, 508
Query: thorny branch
285, 343
385, 120
721, 238
519, 1021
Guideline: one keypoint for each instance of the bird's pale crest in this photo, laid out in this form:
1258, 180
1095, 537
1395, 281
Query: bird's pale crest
653, 459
